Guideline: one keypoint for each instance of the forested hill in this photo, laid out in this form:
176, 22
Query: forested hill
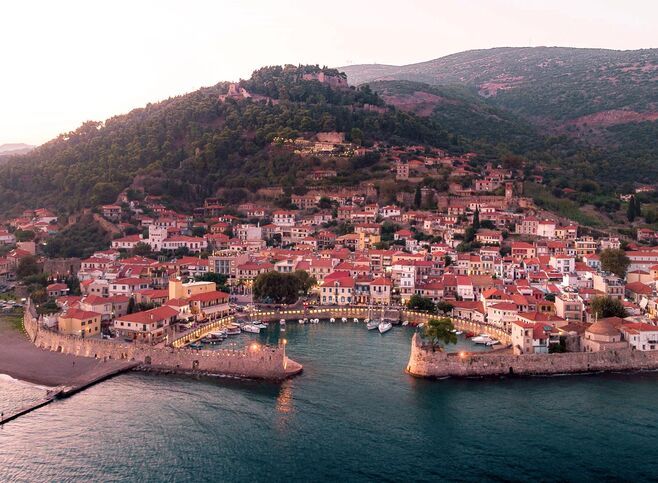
190, 146
555, 83
596, 109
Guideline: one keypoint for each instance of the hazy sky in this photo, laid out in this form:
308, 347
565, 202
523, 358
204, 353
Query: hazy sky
64, 62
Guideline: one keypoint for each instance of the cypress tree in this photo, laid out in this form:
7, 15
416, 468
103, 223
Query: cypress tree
418, 197
630, 212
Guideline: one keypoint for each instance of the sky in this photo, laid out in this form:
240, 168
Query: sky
65, 62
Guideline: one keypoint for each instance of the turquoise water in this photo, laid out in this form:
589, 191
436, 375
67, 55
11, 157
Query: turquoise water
353, 414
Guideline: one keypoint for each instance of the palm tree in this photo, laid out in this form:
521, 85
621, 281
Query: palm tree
440, 331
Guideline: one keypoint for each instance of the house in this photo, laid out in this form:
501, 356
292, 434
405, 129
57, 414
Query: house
208, 306
111, 212
380, 291
126, 242
337, 291
640, 336
533, 337
283, 218
128, 286
146, 326
489, 237
611, 285
79, 322
502, 314
604, 334
57, 290
7, 238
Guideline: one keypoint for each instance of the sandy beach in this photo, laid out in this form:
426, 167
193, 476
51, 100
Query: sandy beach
20, 359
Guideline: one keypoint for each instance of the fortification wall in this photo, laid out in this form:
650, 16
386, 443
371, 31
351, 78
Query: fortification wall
260, 362
423, 362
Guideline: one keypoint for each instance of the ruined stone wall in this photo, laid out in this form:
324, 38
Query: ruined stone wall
260, 363
423, 362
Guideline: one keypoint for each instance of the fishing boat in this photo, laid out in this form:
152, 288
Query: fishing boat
482, 339
233, 329
373, 324
251, 328
384, 326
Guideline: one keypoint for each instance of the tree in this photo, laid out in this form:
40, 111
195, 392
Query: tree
604, 307
305, 281
219, 278
476, 219
418, 302
418, 197
73, 284
142, 249
324, 203
27, 266
24, 235
131, 305
275, 287
630, 212
614, 260
444, 306
440, 331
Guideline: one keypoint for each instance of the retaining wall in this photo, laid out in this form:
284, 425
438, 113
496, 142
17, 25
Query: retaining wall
260, 363
423, 362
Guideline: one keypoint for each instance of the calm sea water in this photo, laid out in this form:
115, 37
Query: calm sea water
353, 414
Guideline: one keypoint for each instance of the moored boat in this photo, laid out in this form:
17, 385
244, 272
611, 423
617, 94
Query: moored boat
373, 324
482, 339
233, 329
384, 326
251, 328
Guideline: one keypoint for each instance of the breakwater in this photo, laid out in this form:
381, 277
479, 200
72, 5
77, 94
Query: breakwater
424, 362
261, 362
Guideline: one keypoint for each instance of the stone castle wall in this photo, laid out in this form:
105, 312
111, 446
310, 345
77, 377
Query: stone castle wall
259, 363
423, 362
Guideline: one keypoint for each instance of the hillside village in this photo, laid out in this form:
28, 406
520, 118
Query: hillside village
475, 249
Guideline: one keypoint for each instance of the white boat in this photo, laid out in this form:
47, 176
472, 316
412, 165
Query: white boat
492, 342
282, 322
384, 327
373, 324
405, 323
316, 321
332, 320
482, 339
219, 334
259, 324
233, 329
302, 321
459, 332
356, 321
251, 328
343, 320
